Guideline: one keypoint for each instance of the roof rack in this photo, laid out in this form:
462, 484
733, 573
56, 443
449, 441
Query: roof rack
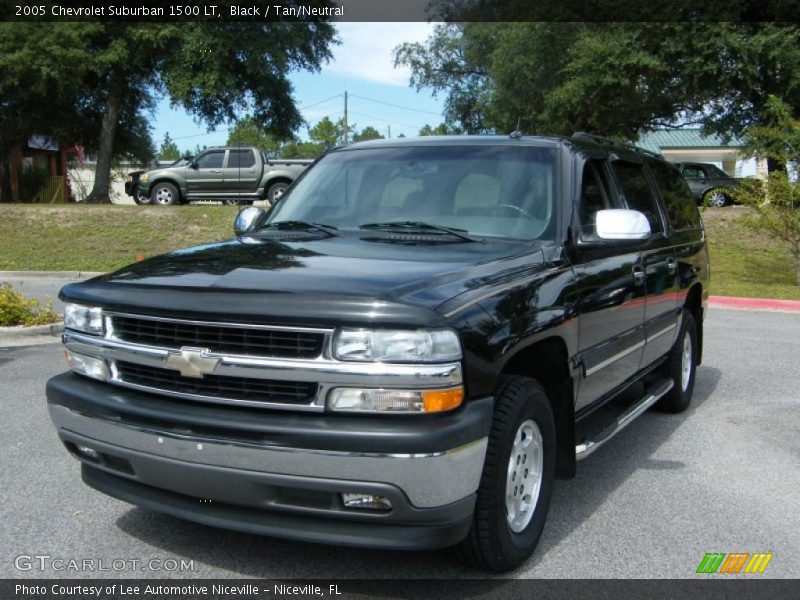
582, 135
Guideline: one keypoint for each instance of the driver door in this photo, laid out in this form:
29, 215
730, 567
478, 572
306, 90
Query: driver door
610, 279
206, 178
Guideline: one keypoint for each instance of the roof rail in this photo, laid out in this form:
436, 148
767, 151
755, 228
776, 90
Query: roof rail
582, 135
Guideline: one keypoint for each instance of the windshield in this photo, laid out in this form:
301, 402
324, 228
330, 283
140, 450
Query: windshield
491, 191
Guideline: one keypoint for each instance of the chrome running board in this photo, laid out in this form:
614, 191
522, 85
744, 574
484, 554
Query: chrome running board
653, 395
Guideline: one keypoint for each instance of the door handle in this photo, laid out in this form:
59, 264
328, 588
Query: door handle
215, 171
638, 274
672, 266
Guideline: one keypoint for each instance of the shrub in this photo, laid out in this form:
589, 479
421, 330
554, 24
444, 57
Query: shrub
31, 182
15, 309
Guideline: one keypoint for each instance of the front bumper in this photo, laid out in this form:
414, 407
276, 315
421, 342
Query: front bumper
279, 474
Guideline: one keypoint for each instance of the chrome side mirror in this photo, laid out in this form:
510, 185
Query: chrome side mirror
620, 225
248, 219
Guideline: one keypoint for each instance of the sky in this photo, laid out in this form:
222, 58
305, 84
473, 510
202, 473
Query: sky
362, 65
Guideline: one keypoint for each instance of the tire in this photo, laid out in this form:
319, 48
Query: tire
140, 198
715, 198
165, 194
501, 539
275, 191
681, 367
237, 202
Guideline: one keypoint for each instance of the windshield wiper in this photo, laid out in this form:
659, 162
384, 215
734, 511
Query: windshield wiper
302, 225
459, 233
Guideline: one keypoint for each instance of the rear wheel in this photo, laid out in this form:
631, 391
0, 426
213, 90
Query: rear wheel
275, 191
681, 366
517, 481
165, 194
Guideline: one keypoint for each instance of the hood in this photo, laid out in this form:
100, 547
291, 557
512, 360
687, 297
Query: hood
351, 275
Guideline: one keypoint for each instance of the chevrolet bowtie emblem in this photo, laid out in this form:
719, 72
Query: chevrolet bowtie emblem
192, 362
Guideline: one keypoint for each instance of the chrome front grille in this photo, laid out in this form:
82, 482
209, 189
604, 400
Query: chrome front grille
217, 386
227, 363
242, 340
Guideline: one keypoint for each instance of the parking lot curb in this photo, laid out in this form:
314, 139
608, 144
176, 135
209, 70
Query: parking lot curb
754, 303
49, 274
8, 334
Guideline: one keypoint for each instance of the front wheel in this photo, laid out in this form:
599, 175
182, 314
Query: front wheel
517, 481
715, 199
165, 194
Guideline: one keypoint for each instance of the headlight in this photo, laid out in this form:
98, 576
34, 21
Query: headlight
143, 177
390, 345
88, 319
365, 400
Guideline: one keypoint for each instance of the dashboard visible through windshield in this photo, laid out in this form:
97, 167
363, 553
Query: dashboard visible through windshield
496, 191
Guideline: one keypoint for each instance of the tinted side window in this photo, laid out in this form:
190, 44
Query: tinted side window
681, 209
693, 172
211, 160
241, 159
594, 196
637, 193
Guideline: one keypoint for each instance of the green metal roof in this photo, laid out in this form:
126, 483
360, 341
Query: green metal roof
664, 139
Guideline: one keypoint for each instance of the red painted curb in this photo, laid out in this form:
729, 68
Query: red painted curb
754, 303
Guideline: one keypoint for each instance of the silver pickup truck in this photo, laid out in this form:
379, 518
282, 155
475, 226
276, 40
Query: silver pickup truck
234, 175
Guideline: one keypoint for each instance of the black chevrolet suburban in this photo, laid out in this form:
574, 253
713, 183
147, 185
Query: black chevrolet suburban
404, 353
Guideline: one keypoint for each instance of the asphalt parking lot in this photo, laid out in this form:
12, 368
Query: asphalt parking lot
722, 477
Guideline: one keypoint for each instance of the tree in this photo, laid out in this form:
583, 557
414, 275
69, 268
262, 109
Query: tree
368, 133
329, 134
169, 149
213, 70
775, 203
43, 90
297, 149
248, 132
610, 78
440, 129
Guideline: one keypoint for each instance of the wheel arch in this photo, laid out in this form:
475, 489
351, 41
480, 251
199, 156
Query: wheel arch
181, 191
547, 361
276, 179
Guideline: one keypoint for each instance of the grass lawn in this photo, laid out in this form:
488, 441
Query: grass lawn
744, 263
75, 237
101, 238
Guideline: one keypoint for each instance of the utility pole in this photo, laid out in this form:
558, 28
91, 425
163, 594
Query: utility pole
389, 130
345, 118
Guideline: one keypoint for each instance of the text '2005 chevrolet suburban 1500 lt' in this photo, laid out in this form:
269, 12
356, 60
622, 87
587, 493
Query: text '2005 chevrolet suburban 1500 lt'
404, 353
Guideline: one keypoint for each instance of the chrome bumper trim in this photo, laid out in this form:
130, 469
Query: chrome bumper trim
429, 480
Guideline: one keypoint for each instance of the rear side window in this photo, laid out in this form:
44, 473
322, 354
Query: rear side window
681, 209
693, 172
241, 159
637, 192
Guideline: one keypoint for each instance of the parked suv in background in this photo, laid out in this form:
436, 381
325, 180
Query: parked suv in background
234, 175
709, 184
404, 353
